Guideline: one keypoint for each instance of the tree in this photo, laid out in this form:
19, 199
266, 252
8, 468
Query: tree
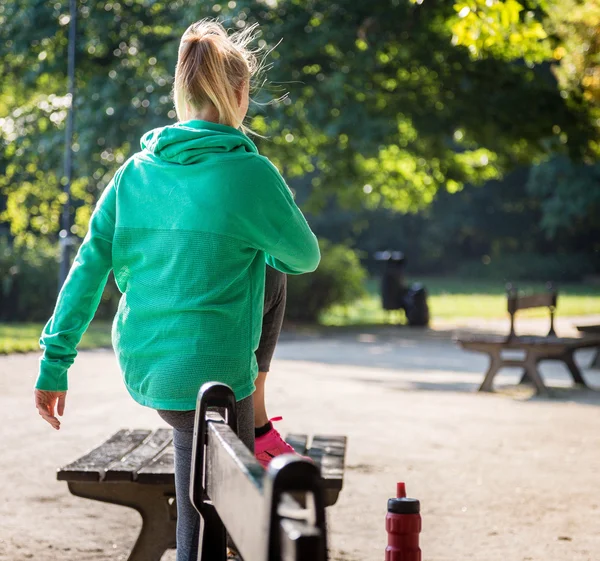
383, 105
390, 102
125, 59
570, 198
569, 189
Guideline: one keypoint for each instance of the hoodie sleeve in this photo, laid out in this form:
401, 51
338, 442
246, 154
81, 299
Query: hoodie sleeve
79, 296
286, 238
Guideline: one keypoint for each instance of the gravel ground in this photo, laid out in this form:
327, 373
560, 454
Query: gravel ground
501, 477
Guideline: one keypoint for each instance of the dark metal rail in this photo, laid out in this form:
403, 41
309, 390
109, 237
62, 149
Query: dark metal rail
235, 496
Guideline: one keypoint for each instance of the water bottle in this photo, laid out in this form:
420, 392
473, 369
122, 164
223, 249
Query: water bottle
403, 525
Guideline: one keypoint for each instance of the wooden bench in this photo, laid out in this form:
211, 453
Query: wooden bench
134, 468
534, 349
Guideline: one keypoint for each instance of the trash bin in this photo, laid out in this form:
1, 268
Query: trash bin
393, 285
396, 295
415, 305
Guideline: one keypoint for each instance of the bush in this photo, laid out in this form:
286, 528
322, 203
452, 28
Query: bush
29, 283
571, 267
339, 279
109, 301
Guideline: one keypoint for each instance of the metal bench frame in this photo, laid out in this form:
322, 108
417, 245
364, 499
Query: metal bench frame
235, 496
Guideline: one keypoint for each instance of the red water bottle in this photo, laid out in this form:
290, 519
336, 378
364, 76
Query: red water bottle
403, 525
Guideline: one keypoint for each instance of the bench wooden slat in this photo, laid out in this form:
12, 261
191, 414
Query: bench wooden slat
147, 457
91, 467
297, 442
127, 468
594, 329
160, 469
329, 452
559, 344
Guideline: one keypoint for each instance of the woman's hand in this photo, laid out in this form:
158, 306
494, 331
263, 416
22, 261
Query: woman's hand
46, 403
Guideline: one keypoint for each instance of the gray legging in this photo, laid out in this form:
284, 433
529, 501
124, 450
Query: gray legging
188, 520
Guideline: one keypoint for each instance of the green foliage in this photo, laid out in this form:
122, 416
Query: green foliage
383, 108
28, 280
506, 29
506, 218
576, 24
564, 32
338, 280
124, 63
553, 267
570, 196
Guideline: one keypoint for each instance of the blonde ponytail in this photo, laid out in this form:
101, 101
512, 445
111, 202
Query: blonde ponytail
212, 68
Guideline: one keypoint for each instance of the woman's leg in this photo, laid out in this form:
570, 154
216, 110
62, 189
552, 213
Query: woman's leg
260, 408
245, 415
188, 519
268, 441
274, 310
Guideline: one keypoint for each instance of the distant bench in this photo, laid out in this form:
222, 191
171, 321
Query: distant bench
535, 349
134, 468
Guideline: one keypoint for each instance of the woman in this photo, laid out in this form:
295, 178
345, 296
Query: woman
187, 225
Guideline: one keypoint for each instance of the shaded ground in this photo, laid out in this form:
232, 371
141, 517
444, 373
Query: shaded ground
503, 477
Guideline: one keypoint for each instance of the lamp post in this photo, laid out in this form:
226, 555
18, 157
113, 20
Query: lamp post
65, 238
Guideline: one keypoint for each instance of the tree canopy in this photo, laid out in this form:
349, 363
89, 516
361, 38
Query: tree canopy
388, 101
402, 98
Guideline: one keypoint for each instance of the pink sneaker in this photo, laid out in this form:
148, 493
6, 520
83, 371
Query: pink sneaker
270, 445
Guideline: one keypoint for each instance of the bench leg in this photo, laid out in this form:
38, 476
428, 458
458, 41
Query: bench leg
155, 503
532, 374
525, 379
569, 360
495, 364
596, 360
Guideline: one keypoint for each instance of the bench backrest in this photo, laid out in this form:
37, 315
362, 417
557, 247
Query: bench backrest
515, 302
234, 495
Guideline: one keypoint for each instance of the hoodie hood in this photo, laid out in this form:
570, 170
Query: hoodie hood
190, 142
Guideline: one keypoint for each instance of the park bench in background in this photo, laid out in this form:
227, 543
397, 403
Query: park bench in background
534, 349
134, 468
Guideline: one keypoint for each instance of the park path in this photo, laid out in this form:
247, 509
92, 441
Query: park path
501, 477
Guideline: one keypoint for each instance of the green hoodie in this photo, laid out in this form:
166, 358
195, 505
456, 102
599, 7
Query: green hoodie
186, 225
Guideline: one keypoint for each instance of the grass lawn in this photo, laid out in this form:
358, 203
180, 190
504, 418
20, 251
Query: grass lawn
23, 337
448, 298
459, 298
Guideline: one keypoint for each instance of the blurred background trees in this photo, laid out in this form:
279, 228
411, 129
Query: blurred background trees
465, 132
